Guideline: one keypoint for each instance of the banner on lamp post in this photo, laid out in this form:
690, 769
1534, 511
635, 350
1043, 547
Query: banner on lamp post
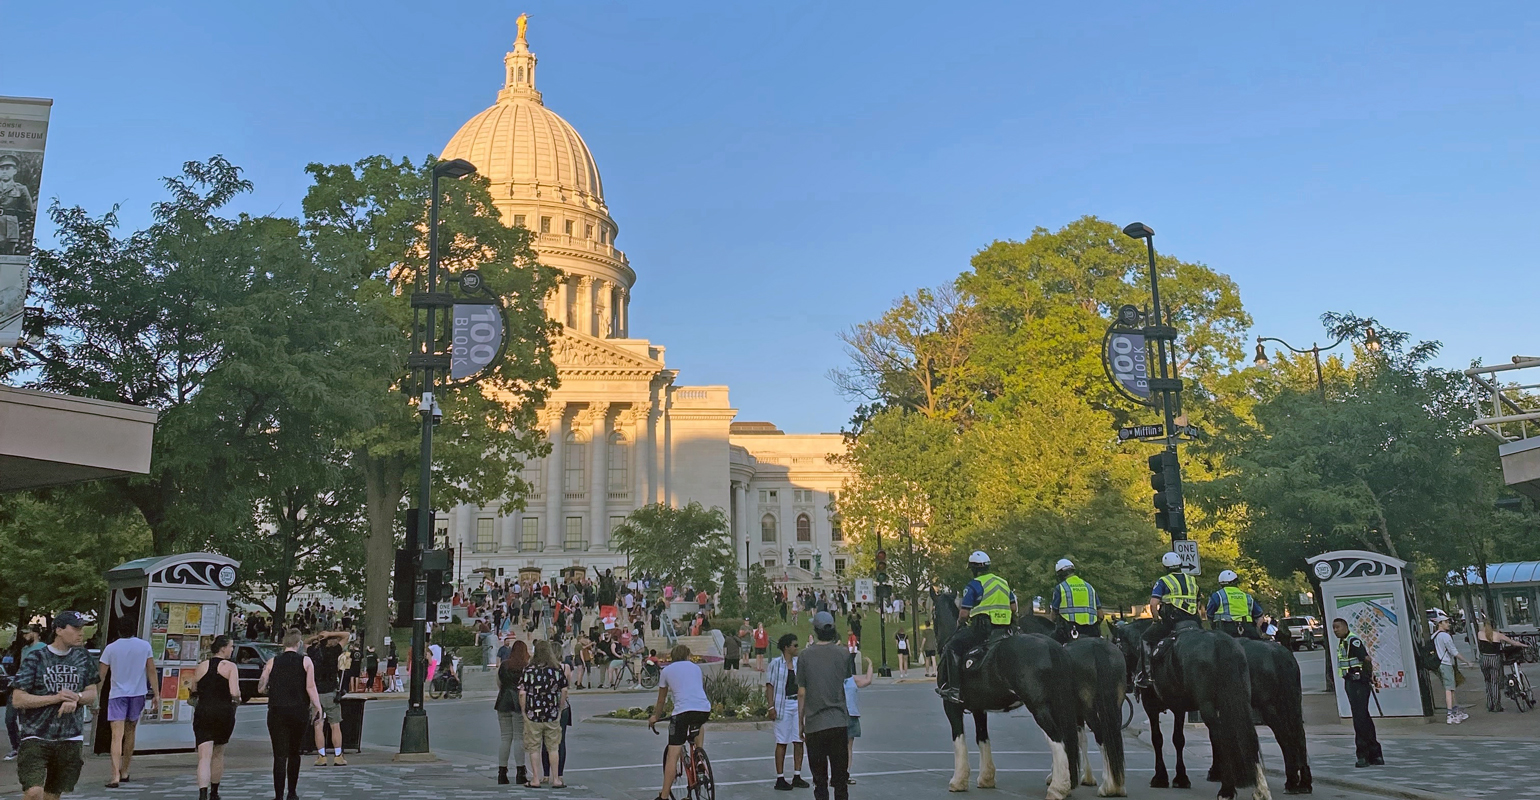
478, 337
23, 134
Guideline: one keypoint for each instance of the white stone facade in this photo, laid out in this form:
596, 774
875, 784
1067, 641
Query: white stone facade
623, 431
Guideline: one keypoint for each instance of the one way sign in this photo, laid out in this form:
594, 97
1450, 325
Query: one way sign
1187, 549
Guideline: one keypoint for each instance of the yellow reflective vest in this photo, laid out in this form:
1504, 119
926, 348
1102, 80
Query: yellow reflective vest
1077, 601
996, 601
1234, 604
1181, 591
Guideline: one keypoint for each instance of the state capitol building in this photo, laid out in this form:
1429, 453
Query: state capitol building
624, 431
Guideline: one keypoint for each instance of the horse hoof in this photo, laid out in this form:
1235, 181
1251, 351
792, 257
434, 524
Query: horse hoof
986, 783
1298, 790
957, 787
1181, 782
1087, 781
1160, 782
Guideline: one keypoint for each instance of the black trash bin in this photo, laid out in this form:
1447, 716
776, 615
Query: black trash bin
353, 724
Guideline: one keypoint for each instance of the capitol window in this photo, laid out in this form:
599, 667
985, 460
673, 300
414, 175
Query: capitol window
804, 528
518, 220
484, 535
619, 462
529, 537
588, 231
567, 227
574, 456
767, 528
545, 224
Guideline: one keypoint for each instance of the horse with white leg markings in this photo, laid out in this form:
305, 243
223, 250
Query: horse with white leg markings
1100, 686
1021, 669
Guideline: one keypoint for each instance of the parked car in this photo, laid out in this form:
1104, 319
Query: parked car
1303, 632
250, 658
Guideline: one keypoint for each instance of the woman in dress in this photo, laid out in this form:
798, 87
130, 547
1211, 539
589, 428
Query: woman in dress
288, 680
510, 720
217, 685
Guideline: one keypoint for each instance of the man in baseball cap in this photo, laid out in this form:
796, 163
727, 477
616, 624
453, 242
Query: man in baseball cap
53, 686
823, 668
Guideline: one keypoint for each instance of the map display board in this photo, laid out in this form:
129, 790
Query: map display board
1373, 593
1375, 619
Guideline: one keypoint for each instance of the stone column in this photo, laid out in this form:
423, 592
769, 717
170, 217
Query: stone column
512, 522
585, 305
599, 481
563, 294
604, 322
551, 420
633, 422
741, 517
623, 312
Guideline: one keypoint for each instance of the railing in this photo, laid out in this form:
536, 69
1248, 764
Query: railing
575, 495
620, 495
578, 545
1511, 411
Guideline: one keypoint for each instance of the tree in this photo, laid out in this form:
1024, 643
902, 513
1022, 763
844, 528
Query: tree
372, 215
759, 597
685, 546
730, 600
60, 543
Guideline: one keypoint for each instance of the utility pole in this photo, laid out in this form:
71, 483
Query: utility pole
1165, 469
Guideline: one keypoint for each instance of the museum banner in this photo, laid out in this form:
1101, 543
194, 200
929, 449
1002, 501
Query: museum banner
23, 133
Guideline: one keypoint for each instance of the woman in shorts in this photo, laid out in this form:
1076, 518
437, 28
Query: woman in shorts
218, 685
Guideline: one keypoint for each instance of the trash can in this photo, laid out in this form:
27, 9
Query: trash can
353, 724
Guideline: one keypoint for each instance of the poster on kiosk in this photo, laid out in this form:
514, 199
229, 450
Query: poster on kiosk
1376, 596
178, 604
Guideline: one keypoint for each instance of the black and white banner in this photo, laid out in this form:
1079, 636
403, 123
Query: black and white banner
23, 134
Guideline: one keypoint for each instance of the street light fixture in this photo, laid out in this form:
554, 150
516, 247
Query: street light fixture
414, 725
1371, 343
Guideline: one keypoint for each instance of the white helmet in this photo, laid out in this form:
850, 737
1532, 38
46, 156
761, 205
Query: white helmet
979, 557
1228, 576
1171, 560
1063, 564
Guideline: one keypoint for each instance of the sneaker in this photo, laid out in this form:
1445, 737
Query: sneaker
339, 761
320, 761
797, 781
11, 756
781, 785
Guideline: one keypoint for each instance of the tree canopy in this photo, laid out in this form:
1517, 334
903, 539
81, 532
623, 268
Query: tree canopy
684, 545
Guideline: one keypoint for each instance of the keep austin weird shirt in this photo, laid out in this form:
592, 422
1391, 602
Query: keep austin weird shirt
45, 672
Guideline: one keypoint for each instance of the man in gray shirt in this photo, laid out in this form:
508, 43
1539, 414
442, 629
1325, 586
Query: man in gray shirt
821, 673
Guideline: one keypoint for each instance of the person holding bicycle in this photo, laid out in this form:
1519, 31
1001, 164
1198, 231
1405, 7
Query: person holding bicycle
682, 677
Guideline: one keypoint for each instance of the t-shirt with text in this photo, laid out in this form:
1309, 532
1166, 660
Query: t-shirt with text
44, 672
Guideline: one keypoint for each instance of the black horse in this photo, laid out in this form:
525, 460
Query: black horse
1275, 697
1100, 684
1023, 669
1203, 671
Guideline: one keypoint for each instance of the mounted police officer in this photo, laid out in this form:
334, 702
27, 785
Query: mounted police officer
1173, 600
1073, 604
987, 605
1233, 610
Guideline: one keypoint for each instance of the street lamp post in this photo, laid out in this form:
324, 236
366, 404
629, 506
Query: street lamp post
882, 622
1169, 386
414, 725
1371, 341
914, 588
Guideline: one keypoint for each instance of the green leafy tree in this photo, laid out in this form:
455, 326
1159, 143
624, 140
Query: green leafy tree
759, 597
372, 215
59, 545
684, 545
730, 603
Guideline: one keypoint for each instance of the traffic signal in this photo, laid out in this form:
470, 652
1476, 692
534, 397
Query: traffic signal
1166, 480
405, 586
882, 560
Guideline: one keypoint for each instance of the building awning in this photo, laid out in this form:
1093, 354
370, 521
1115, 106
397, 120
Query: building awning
51, 439
1505, 573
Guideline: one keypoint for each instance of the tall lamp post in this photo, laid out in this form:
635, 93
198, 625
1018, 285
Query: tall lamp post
882, 596
1371, 342
914, 587
426, 357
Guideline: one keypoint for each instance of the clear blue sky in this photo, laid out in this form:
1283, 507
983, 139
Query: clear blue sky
780, 172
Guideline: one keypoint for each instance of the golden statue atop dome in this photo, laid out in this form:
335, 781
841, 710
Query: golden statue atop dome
523, 22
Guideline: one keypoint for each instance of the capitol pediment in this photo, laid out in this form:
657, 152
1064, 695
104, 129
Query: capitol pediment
576, 353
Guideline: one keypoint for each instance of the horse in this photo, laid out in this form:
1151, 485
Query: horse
1021, 669
1203, 671
1100, 681
1275, 697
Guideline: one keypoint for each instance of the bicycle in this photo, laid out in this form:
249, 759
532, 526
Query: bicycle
1516, 684
1128, 710
444, 684
647, 678
699, 782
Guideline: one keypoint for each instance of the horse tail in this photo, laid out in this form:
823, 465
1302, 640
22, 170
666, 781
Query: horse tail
1233, 730
1109, 709
1064, 706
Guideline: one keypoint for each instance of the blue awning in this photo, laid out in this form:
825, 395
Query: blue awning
1510, 572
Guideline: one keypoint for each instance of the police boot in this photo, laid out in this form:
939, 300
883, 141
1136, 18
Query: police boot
949, 677
1142, 677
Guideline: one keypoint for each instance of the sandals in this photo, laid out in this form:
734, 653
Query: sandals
559, 785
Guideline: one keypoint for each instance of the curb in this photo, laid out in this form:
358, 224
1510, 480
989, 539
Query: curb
1385, 790
763, 725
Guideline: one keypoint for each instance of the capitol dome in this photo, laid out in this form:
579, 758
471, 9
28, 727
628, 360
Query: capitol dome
544, 178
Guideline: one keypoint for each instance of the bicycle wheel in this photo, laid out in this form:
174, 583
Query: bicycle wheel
1128, 710
705, 787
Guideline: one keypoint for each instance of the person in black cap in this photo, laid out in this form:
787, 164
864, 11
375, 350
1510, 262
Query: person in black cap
53, 686
823, 668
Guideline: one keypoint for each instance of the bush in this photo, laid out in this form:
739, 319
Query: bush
470, 656
726, 690
453, 636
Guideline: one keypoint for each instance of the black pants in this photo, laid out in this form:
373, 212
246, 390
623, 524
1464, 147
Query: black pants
1365, 742
1065, 631
1237, 628
287, 728
1170, 617
828, 754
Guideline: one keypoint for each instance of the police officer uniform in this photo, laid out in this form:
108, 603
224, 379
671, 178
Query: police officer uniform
1178, 595
990, 603
1357, 675
1074, 605
1234, 610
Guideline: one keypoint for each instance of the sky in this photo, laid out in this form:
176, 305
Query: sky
781, 172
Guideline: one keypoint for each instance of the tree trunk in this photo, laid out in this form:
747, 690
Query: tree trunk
150, 500
382, 479
1379, 511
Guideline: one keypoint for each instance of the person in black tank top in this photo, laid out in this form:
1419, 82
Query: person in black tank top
218, 690
289, 682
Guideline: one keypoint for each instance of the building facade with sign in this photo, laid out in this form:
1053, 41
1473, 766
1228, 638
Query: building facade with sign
624, 430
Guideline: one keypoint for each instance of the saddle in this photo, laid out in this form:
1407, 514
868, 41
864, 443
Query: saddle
1163, 647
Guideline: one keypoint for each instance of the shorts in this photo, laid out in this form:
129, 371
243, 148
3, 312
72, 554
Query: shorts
788, 729
329, 713
617, 663
1446, 674
759, 651
729, 663
55, 766
853, 728
679, 727
930, 653
538, 734
125, 709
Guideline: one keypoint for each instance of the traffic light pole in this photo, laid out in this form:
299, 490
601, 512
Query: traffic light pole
882, 622
1170, 387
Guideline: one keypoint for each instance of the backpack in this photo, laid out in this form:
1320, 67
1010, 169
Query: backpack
1427, 656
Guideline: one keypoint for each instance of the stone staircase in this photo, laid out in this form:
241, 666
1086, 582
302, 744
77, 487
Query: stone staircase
699, 645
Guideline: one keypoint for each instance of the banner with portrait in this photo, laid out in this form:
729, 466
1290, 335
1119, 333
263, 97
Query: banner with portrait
23, 134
